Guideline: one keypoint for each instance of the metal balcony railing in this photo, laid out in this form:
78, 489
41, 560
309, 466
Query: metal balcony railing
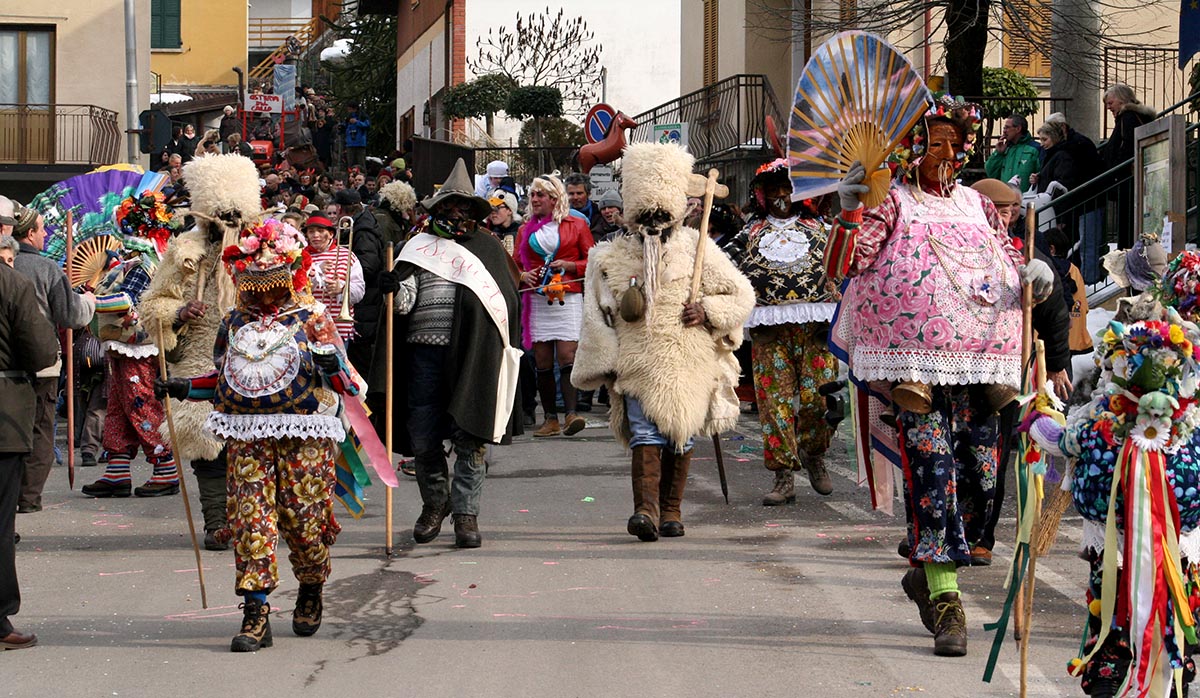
725, 117
58, 134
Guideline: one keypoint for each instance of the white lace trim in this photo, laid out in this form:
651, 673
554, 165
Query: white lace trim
1093, 540
248, 427
133, 351
935, 367
793, 313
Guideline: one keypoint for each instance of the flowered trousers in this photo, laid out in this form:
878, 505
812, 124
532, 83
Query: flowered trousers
790, 363
1111, 663
134, 415
949, 458
281, 486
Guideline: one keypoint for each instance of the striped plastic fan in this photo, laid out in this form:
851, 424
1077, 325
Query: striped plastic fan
90, 258
856, 100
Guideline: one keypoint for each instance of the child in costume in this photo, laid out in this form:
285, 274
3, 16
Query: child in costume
1136, 438
931, 318
780, 251
134, 415
281, 369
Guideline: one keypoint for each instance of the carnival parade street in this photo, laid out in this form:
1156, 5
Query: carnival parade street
753, 601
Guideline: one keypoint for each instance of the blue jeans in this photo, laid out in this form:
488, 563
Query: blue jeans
645, 432
429, 424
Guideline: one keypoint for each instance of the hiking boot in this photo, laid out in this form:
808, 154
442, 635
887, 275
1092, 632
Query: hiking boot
256, 628
916, 588
980, 556
102, 489
306, 618
466, 531
549, 428
429, 523
783, 491
950, 626
574, 425
211, 542
818, 474
157, 489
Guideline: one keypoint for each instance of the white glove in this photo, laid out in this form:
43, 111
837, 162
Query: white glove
851, 187
1038, 275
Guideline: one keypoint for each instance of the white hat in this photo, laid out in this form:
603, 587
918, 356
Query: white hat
497, 168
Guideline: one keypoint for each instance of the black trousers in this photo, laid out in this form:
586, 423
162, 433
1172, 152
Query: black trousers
11, 465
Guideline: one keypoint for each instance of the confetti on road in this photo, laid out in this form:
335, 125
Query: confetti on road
588, 499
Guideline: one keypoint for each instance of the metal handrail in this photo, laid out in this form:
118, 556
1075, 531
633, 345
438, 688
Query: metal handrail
58, 134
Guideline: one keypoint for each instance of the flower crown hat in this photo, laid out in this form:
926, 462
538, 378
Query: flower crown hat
269, 255
966, 115
146, 222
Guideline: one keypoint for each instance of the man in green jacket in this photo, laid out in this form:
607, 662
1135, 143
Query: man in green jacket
1016, 155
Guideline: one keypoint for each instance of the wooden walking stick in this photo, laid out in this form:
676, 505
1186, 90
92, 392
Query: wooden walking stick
1019, 614
387, 404
711, 189
70, 366
187, 505
1035, 491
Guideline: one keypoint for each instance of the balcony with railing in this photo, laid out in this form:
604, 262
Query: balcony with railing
267, 33
58, 134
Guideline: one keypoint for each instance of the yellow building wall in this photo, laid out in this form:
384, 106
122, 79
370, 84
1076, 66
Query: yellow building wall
213, 34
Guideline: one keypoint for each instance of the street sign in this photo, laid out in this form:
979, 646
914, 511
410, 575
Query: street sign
602, 180
264, 104
671, 133
595, 126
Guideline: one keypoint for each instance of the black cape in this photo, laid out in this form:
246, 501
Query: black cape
472, 359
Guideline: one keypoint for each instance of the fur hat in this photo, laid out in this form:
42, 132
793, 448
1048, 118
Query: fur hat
399, 196
223, 184
654, 176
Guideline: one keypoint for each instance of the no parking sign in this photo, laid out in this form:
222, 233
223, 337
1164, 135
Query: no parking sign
599, 118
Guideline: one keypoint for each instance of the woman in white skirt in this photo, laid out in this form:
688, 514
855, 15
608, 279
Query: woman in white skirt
552, 251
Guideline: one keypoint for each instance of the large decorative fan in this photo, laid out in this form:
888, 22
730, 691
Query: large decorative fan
89, 259
91, 198
856, 100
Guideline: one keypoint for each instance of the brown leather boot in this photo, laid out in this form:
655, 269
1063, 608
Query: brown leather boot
783, 491
549, 428
675, 468
950, 626
646, 474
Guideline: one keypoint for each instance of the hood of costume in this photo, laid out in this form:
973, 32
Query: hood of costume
683, 376
224, 199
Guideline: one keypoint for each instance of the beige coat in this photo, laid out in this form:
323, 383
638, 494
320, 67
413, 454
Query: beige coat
683, 376
190, 351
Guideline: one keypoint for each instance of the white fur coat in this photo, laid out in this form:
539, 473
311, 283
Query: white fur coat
678, 373
175, 282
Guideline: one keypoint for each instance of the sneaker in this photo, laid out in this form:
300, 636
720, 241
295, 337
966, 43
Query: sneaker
157, 489
306, 618
950, 626
256, 628
101, 489
916, 588
783, 491
549, 428
575, 424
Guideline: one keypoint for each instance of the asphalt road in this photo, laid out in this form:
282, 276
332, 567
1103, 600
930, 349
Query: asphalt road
800, 600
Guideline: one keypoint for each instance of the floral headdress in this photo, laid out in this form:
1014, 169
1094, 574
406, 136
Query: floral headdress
145, 218
1152, 371
268, 247
777, 169
1180, 285
966, 115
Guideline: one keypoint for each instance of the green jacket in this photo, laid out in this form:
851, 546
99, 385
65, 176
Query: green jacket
1018, 159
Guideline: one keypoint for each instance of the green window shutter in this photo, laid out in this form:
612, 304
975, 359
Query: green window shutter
165, 23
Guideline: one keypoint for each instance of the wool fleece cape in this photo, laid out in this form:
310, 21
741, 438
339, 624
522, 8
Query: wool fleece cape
682, 376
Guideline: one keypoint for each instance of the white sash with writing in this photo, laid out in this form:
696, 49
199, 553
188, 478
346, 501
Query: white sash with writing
457, 264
